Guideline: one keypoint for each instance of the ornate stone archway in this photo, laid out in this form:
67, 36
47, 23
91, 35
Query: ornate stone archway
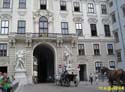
45, 62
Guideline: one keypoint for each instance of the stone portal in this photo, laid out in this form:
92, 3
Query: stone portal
44, 55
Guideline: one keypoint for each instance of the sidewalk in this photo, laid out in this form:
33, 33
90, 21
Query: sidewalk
83, 84
99, 83
19, 89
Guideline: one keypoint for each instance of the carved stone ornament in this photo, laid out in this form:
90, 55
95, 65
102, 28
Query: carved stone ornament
5, 16
12, 42
105, 21
20, 54
59, 43
63, 15
78, 19
39, 13
22, 12
29, 42
73, 42
92, 20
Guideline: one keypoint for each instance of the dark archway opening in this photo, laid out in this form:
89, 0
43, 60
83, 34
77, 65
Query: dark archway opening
45, 60
3, 69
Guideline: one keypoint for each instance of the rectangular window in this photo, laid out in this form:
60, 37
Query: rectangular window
63, 5
98, 66
4, 27
21, 26
118, 53
79, 31
81, 49
22, 4
123, 9
116, 36
110, 49
104, 9
3, 49
90, 8
112, 64
76, 6
43, 4
113, 17
96, 49
64, 27
6, 4
107, 30
93, 29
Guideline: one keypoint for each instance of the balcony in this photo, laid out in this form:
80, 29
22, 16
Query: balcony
23, 36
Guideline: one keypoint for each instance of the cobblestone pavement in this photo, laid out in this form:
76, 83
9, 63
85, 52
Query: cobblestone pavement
49, 87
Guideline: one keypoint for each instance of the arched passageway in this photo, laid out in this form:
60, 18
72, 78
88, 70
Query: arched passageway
45, 61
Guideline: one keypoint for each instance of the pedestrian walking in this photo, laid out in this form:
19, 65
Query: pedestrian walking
91, 78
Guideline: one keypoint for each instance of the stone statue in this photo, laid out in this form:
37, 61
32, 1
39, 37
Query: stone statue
67, 57
20, 60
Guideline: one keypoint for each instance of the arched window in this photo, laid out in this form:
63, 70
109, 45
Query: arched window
43, 25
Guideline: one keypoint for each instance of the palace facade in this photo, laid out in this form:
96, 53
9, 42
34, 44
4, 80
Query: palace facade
44, 27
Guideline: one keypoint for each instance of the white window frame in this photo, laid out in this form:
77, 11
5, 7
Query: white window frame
78, 5
96, 26
44, 3
107, 48
93, 47
91, 8
99, 49
7, 48
3, 27
83, 48
62, 28
22, 3
108, 30
78, 26
20, 27
6, 7
95, 64
106, 9
63, 3
110, 63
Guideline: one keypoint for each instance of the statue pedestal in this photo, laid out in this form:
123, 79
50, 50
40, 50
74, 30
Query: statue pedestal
20, 76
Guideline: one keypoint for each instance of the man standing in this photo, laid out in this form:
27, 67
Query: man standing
91, 78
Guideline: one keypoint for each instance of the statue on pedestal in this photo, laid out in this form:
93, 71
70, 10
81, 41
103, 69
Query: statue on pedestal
20, 72
19, 60
67, 58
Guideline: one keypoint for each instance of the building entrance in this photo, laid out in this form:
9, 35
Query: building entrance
44, 55
82, 72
